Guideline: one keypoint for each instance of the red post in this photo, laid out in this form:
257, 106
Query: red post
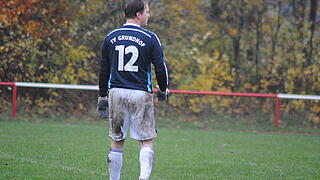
276, 109
14, 101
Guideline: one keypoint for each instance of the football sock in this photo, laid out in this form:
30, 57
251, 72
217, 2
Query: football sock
114, 162
146, 160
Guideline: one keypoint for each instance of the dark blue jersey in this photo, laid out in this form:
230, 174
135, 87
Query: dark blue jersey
126, 57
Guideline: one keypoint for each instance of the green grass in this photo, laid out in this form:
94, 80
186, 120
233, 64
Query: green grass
30, 150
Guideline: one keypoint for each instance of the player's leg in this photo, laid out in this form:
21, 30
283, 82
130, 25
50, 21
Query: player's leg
146, 159
118, 126
142, 128
114, 159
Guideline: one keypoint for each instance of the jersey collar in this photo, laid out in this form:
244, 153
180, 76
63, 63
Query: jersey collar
131, 24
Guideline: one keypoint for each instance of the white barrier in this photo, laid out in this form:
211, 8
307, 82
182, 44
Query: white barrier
91, 87
298, 96
59, 86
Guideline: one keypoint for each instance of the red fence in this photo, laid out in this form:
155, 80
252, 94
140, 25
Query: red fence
88, 87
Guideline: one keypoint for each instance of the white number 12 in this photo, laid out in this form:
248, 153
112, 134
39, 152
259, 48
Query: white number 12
123, 51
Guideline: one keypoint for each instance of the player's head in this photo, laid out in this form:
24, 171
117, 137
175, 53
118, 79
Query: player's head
139, 10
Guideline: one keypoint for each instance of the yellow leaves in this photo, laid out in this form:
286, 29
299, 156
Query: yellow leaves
225, 102
265, 28
205, 73
55, 79
233, 32
74, 68
81, 107
32, 27
315, 108
2, 49
81, 73
203, 83
247, 85
223, 89
228, 78
250, 87
59, 61
16, 11
3, 20
264, 83
298, 104
314, 115
316, 119
44, 105
195, 104
300, 56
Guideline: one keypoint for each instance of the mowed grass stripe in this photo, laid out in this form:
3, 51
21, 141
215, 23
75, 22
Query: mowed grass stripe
78, 151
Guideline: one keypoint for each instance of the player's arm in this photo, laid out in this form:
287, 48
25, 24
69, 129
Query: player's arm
104, 74
161, 70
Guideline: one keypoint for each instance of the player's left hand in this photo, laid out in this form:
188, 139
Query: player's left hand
103, 107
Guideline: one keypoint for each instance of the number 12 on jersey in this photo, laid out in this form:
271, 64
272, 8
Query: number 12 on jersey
122, 51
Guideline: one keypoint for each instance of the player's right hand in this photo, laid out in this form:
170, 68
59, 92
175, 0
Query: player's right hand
103, 107
162, 95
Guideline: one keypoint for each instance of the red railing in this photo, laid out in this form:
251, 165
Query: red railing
42, 85
14, 86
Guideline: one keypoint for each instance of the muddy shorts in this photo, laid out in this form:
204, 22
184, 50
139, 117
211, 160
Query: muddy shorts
131, 110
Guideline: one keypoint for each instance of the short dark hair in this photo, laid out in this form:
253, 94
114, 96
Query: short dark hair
134, 6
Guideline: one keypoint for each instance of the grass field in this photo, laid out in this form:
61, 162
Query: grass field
45, 150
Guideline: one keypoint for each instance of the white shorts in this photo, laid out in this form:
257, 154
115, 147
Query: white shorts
132, 109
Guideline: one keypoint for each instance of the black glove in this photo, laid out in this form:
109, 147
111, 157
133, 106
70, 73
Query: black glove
163, 95
103, 107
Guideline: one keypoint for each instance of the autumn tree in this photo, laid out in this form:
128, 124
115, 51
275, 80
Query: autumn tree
262, 46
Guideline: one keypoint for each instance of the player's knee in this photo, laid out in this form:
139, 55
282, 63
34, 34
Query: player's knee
117, 144
146, 142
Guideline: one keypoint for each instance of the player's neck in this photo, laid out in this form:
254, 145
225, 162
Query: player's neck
133, 21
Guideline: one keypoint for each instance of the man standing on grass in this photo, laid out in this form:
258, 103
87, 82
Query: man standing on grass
125, 86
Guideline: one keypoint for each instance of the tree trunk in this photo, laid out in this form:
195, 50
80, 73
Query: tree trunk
236, 60
236, 48
257, 51
312, 19
275, 36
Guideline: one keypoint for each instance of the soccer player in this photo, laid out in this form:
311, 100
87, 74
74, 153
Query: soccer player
125, 86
